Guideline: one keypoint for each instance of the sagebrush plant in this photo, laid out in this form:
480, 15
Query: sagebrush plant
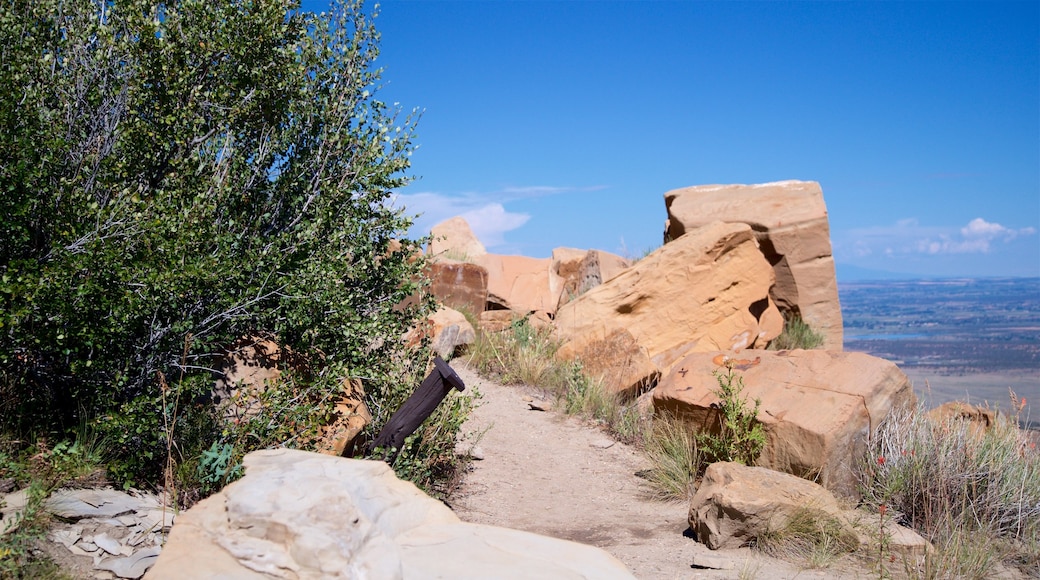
810, 535
796, 334
971, 490
195, 170
676, 462
736, 435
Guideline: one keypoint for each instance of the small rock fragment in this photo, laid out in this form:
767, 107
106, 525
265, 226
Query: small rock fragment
476, 453
133, 566
108, 544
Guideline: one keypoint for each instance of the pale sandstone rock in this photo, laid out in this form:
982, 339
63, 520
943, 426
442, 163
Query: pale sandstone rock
694, 294
304, 515
519, 283
790, 220
454, 239
451, 330
735, 504
818, 407
459, 285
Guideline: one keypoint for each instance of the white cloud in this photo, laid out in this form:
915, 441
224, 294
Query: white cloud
485, 212
907, 236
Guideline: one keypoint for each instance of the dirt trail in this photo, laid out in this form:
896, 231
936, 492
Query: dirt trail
549, 473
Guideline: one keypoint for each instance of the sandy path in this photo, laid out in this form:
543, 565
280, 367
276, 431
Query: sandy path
548, 473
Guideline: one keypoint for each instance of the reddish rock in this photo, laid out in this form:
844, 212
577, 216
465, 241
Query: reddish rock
817, 407
459, 285
790, 220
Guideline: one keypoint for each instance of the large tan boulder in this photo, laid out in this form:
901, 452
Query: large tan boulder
817, 407
705, 291
308, 516
736, 504
790, 219
453, 239
459, 285
519, 284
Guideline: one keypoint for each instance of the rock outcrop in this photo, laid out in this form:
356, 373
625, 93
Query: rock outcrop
817, 407
519, 284
453, 239
790, 220
706, 291
304, 515
578, 271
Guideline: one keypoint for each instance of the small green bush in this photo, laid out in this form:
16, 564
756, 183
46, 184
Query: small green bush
738, 436
176, 176
796, 334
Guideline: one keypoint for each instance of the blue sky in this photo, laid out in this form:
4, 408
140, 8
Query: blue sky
553, 124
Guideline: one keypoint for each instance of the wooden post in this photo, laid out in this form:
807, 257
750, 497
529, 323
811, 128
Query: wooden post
417, 408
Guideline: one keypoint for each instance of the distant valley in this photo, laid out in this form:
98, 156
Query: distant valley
955, 338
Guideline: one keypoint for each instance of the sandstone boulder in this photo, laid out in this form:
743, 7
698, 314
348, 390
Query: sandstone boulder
578, 271
705, 291
450, 330
817, 407
790, 220
455, 240
978, 419
519, 284
304, 515
248, 367
349, 417
735, 504
459, 285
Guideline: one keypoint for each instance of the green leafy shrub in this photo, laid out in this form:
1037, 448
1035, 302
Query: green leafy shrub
796, 334
177, 175
738, 436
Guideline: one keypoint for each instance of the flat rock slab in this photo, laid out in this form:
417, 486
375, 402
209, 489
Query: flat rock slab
75, 504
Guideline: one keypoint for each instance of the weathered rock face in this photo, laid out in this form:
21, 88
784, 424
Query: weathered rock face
705, 291
459, 285
578, 271
304, 515
790, 220
818, 407
519, 284
735, 504
453, 239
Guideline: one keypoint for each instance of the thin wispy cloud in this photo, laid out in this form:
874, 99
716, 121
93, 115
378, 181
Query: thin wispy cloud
486, 213
908, 236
